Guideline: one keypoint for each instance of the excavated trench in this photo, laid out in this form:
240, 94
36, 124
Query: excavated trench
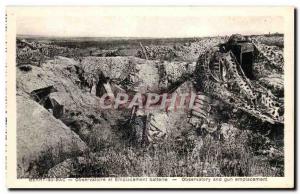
132, 131
110, 129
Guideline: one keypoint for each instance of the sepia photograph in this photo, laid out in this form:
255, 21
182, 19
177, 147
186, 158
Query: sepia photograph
150, 97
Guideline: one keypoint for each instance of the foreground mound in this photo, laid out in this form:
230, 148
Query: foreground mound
43, 141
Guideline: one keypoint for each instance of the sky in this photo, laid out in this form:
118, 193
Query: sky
97, 25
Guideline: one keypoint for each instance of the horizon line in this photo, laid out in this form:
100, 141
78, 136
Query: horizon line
141, 37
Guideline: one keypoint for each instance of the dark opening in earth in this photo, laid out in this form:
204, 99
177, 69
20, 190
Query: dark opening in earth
247, 63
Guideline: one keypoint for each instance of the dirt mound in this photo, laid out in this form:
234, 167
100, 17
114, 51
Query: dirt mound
42, 140
123, 71
57, 87
188, 52
140, 74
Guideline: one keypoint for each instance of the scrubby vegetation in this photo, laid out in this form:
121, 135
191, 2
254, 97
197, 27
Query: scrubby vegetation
207, 157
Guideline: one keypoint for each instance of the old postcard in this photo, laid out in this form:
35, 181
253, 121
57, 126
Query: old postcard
150, 97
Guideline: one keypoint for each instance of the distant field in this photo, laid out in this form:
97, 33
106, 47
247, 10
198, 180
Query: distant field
121, 42
109, 43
